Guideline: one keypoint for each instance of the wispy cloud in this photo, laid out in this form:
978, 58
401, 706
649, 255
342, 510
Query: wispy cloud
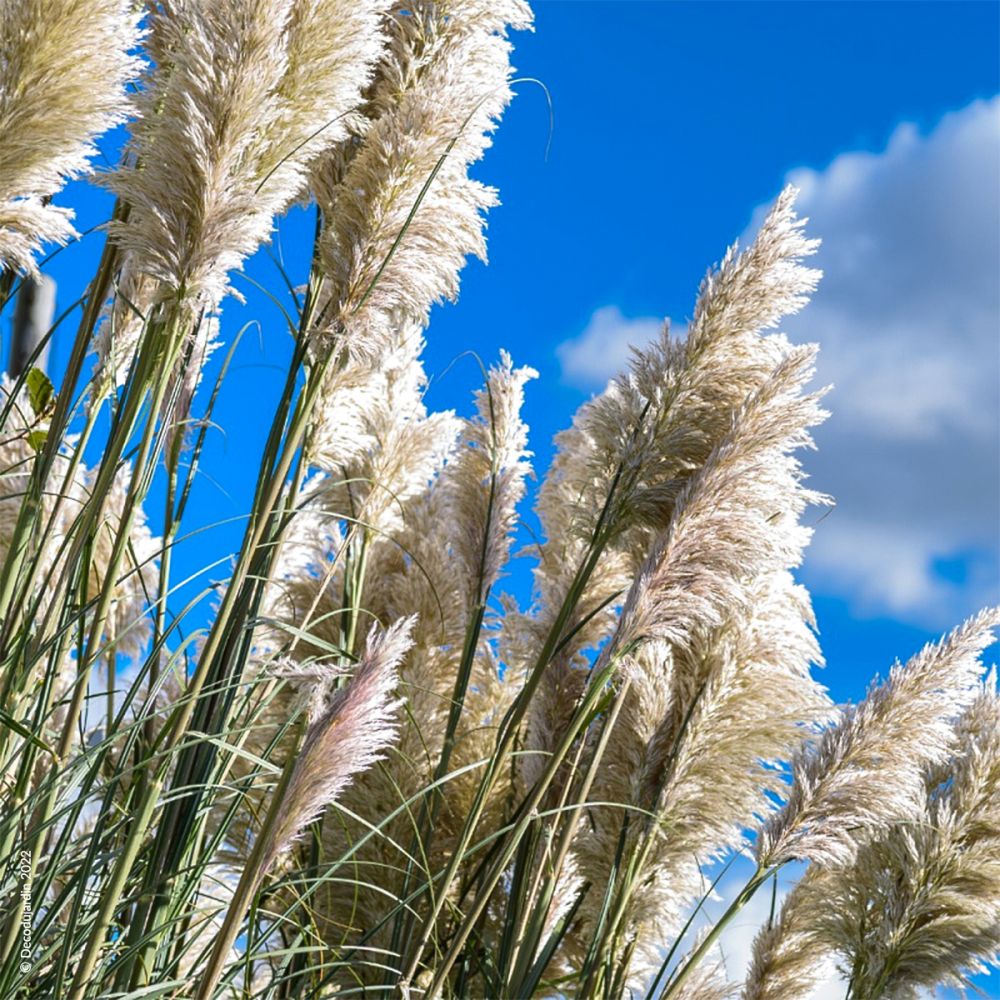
908, 319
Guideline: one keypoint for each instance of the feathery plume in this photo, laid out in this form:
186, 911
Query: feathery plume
331, 49
386, 255
348, 731
788, 959
698, 440
920, 906
228, 125
484, 481
242, 99
64, 65
637, 444
724, 689
866, 772
392, 448
737, 516
708, 983
659, 421
391, 248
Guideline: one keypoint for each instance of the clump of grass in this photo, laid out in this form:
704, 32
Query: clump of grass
372, 773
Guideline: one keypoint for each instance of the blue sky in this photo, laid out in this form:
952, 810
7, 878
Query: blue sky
673, 123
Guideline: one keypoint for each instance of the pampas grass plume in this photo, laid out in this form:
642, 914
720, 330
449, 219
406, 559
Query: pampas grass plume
866, 772
64, 65
349, 730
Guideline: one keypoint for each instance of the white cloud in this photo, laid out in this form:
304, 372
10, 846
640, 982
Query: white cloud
604, 347
908, 319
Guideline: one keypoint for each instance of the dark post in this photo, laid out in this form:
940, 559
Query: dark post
36, 304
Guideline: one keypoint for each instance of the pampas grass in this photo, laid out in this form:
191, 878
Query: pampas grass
64, 65
371, 773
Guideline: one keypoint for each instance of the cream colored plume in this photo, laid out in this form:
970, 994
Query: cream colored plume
437, 92
659, 420
245, 94
390, 248
737, 516
708, 982
376, 441
789, 960
401, 212
920, 906
484, 481
631, 451
243, 98
724, 689
64, 65
866, 773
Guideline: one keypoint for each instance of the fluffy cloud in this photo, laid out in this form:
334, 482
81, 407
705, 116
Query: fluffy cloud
908, 318
604, 347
